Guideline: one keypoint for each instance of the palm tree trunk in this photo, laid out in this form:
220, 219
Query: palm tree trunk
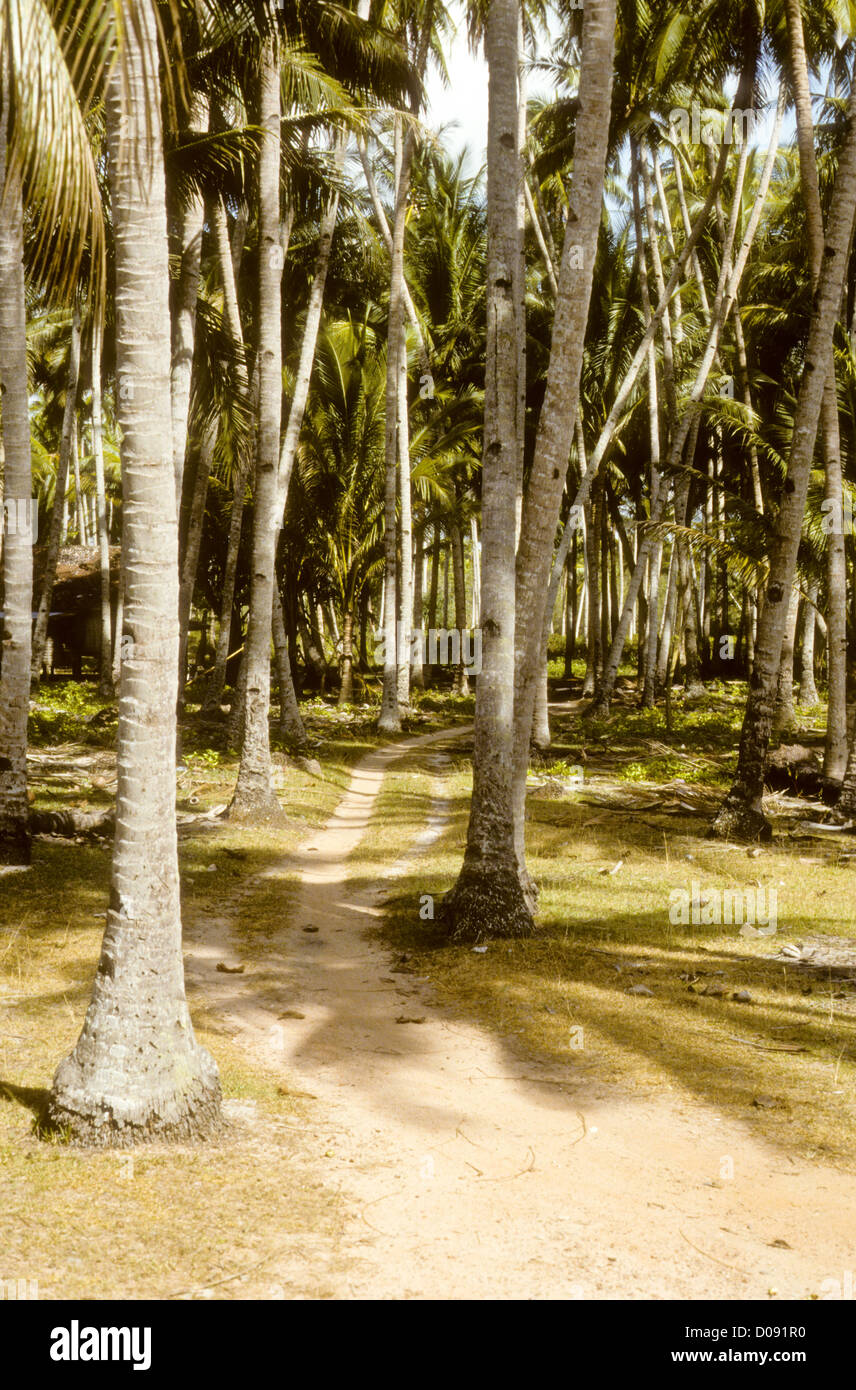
593, 648
106, 650
79, 499
254, 796
741, 814
488, 897
783, 717
434, 586
346, 686
137, 1072
17, 492
40, 631
291, 726
186, 220
808, 690
835, 753
417, 670
461, 685
557, 421
390, 714
405, 597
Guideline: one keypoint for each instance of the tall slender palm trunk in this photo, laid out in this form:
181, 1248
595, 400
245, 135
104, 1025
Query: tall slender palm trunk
67, 439
105, 655
835, 754
17, 536
254, 796
137, 1072
390, 712
549, 469
488, 898
741, 814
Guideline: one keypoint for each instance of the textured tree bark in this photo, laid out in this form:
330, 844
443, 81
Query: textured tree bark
389, 721
240, 467
189, 561
489, 898
461, 684
835, 752
17, 492
106, 686
808, 690
254, 797
433, 588
137, 1073
291, 726
405, 588
417, 672
40, 631
741, 814
593, 651
185, 223
784, 717
346, 687
558, 417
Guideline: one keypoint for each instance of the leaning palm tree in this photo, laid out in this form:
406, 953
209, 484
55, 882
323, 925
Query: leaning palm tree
137, 1073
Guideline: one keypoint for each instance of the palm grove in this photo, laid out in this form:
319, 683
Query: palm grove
261, 327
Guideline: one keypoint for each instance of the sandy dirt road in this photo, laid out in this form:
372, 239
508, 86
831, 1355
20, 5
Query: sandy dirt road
465, 1171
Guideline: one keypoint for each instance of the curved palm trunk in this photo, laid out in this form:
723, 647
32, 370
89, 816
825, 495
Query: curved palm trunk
17, 537
40, 632
741, 814
488, 898
137, 1072
254, 795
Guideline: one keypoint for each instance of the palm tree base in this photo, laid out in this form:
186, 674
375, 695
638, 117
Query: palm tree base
100, 1107
486, 904
255, 805
736, 820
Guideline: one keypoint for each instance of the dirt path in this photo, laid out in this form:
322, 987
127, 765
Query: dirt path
467, 1172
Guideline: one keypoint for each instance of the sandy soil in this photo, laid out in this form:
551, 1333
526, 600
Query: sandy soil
466, 1171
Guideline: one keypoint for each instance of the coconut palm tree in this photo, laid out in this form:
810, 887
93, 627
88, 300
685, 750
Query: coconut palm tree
489, 896
137, 1072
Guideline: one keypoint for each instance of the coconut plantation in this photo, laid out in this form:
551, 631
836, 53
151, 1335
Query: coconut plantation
428, 667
